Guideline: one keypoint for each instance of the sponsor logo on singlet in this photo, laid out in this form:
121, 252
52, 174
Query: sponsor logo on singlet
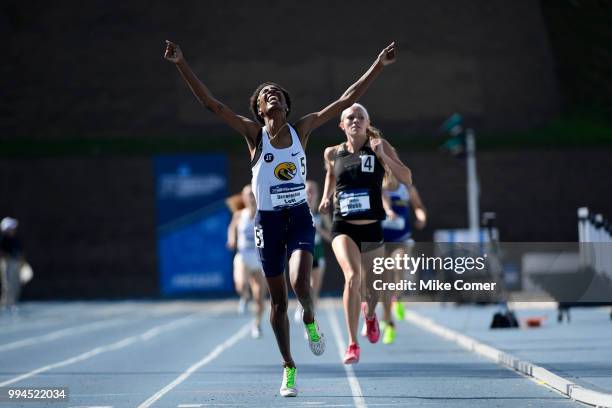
268, 157
285, 171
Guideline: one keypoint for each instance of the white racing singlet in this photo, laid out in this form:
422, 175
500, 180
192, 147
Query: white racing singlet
246, 240
279, 174
246, 233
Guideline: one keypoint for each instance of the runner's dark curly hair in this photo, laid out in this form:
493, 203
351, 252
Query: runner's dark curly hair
255, 100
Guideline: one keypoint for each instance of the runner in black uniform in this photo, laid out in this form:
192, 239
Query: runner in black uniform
283, 225
355, 171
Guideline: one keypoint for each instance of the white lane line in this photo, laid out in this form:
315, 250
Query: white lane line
205, 360
358, 399
19, 326
58, 334
149, 334
34, 321
545, 377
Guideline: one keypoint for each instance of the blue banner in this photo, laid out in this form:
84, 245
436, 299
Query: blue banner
192, 224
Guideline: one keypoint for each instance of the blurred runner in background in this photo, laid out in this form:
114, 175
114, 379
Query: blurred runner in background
11, 262
397, 229
247, 268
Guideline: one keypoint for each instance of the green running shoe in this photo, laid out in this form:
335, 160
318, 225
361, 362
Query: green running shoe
383, 325
288, 387
389, 334
398, 309
316, 339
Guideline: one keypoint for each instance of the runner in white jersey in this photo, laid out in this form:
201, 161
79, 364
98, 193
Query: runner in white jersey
247, 268
279, 175
235, 203
282, 226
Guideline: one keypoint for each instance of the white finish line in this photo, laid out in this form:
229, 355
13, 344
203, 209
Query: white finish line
566, 387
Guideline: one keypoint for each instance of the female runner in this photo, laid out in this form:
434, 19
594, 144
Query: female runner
247, 269
284, 226
354, 178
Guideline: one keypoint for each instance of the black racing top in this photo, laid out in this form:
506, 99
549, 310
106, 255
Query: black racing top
359, 178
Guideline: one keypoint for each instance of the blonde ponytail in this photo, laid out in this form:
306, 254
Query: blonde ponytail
374, 132
235, 202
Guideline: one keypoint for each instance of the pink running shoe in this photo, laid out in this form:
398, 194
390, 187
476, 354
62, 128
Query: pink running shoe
373, 329
352, 354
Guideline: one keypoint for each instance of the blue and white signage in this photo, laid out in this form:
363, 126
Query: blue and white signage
192, 224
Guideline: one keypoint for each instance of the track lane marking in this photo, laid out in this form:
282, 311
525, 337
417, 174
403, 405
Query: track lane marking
147, 335
205, 360
358, 399
58, 334
537, 374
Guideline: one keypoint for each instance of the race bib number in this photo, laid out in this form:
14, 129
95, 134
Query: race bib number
354, 202
259, 242
287, 195
367, 163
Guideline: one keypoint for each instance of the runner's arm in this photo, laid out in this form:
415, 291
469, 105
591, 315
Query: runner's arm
385, 152
232, 231
330, 180
312, 121
419, 209
241, 124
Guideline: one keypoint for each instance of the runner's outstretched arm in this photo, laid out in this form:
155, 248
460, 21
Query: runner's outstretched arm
241, 124
312, 121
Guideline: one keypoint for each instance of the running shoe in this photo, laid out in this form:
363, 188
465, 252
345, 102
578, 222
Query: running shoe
389, 334
288, 387
255, 331
373, 330
382, 325
352, 354
299, 312
316, 339
399, 311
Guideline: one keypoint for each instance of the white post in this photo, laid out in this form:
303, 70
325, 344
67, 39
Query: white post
599, 234
583, 225
472, 185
